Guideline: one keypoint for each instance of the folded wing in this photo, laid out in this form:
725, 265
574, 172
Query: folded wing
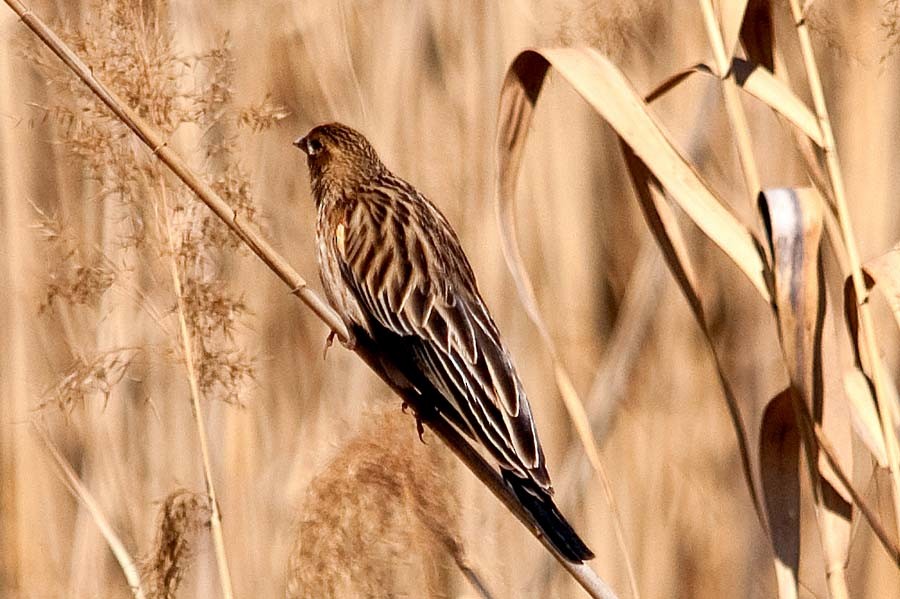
407, 271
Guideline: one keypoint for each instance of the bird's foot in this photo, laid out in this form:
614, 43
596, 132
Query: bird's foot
349, 342
420, 429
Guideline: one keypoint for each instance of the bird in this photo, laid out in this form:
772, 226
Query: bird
394, 270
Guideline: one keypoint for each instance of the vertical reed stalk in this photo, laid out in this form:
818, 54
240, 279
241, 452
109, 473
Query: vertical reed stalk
187, 348
867, 329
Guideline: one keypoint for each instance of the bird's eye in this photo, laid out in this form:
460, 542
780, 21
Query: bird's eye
313, 146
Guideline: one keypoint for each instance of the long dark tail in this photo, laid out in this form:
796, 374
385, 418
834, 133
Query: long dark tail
547, 516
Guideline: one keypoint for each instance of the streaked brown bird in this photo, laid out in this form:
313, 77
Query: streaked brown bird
394, 270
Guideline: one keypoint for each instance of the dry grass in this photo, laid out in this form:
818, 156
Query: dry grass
91, 342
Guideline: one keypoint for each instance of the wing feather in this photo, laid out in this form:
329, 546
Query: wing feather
409, 274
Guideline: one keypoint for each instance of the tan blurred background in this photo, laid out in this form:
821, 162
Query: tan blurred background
421, 79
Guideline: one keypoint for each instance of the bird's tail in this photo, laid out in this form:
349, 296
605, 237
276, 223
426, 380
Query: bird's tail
548, 518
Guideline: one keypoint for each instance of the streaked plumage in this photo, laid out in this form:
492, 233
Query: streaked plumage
394, 270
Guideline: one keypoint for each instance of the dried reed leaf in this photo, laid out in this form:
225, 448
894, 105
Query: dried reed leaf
779, 457
612, 96
662, 223
762, 85
835, 526
864, 414
731, 20
609, 93
778, 96
836, 503
793, 219
758, 34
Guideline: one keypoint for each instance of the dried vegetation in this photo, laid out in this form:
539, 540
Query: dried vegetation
725, 444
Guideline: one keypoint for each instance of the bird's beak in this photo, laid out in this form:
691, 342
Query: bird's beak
300, 142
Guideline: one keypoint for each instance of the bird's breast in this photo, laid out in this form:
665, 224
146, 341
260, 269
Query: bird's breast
331, 240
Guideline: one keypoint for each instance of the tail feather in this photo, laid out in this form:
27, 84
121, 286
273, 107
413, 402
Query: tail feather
548, 518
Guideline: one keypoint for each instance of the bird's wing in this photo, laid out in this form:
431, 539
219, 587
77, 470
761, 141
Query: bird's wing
406, 269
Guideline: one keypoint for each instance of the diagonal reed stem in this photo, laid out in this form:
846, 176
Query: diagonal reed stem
81, 492
582, 573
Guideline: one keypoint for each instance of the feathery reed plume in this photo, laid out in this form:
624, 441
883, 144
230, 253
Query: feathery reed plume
131, 46
181, 517
150, 227
75, 276
381, 507
890, 23
87, 376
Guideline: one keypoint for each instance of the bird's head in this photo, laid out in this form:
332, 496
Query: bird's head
339, 158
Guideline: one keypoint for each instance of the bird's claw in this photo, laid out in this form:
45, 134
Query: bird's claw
420, 429
328, 342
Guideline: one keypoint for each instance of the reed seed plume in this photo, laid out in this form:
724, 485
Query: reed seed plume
823, 18
88, 376
611, 27
380, 508
262, 115
132, 48
182, 516
890, 25
74, 276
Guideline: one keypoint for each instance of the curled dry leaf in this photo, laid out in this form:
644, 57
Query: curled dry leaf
612, 96
793, 219
882, 274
